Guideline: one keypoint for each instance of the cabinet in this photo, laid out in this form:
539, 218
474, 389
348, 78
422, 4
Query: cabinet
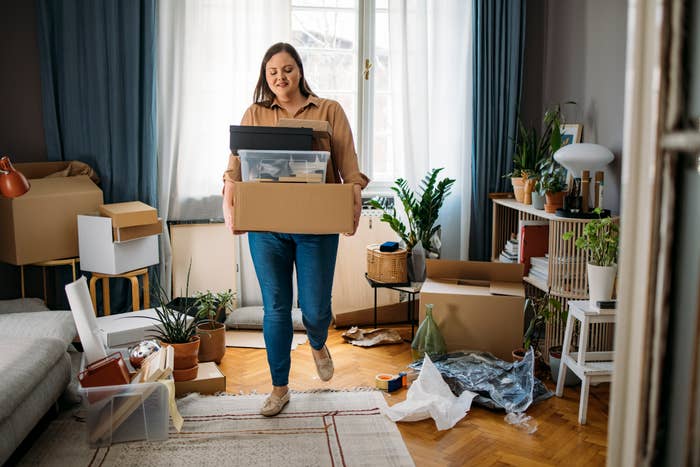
566, 270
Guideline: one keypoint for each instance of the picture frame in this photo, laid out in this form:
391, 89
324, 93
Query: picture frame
571, 133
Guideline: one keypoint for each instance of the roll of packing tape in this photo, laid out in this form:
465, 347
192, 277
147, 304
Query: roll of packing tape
381, 381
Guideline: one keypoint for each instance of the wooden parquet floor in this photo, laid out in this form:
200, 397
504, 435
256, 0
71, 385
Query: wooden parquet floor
482, 438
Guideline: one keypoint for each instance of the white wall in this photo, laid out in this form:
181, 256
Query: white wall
584, 61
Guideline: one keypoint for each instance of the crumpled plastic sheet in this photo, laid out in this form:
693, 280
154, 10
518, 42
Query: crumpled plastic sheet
510, 386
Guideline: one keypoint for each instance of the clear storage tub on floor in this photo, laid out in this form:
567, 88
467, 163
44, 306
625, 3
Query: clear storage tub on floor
283, 166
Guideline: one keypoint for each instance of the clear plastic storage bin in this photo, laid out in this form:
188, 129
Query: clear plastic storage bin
127, 412
284, 166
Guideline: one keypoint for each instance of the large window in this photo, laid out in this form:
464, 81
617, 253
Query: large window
345, 48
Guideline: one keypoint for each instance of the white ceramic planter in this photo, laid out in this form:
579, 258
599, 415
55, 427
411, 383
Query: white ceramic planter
601, 280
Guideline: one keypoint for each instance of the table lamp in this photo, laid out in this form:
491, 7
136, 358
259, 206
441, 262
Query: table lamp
580, 158
12, 182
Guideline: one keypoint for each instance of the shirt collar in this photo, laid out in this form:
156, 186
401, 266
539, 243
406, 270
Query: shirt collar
311, 100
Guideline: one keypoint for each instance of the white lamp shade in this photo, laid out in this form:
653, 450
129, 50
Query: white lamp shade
583, 156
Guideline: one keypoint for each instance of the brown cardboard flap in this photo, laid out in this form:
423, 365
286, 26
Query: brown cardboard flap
507, 288
451, 287
475, 270
129, 214
123, 234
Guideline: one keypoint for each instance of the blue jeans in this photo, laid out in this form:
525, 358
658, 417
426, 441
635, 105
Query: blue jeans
274, 256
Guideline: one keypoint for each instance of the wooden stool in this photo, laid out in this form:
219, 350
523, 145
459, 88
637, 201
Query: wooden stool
133, 276
54, 262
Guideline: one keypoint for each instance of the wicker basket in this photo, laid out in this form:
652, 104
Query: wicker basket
386, 267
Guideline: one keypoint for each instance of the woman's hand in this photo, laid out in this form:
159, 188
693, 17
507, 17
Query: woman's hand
357, 208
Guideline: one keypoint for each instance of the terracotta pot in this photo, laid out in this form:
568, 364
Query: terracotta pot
212, 342
185, 359
553, 201
12, 183
518, 188
528, 187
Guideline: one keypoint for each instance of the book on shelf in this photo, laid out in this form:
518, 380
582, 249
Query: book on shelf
533, 241
541, 262
506, 257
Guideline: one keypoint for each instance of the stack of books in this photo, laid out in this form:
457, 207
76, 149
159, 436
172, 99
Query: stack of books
510, 250
539, 268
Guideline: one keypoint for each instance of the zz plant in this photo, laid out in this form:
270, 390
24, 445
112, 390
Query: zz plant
421, 209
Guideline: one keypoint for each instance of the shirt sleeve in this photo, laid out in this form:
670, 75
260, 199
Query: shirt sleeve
343, 148
233, 171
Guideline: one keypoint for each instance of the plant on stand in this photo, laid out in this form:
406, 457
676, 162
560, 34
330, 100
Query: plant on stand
601, 240
211, 311
420, 234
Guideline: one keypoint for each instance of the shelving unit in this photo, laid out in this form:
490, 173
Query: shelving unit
566, 279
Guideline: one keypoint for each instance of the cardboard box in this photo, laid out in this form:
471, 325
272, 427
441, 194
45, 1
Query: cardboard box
129, 328
41, 225
123, 234
322, 131
309, 208
209, 380
99, 254
129, 214
477, 305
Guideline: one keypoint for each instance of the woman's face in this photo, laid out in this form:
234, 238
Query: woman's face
283, 75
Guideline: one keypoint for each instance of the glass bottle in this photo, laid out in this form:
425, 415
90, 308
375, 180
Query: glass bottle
428, 338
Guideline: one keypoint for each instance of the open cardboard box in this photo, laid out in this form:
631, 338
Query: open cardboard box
305, 208
41, 225
477, 305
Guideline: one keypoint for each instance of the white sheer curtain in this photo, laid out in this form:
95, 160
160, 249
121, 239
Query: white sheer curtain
430, 54
209, 55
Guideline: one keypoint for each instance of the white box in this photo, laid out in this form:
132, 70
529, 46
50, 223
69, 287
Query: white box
98, 253
129, 328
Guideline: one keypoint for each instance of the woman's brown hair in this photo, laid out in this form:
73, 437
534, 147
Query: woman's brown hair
263, 95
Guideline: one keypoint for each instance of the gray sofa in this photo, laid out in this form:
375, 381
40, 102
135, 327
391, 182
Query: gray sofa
35, 366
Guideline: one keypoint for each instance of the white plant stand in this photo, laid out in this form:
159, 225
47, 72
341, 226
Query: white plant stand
590, 367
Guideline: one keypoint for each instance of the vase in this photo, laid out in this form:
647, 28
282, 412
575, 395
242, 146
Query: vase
428, 339
185, 361
601, 280
212, 341
415, 263
537, 200
553, 201
518, 188
528, 187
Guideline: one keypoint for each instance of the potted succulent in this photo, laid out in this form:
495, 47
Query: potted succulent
211, 308
541, 309
601, 240
421, 210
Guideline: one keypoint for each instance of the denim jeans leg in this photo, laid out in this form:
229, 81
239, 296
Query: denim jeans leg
315, 262
273, 257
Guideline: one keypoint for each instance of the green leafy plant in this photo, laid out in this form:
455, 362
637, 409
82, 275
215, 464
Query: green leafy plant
177, 327
543, 309
601, 238
421, 209
552, 180
210, 305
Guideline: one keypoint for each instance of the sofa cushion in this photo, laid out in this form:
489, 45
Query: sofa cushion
22, 305
57, 324
24, 364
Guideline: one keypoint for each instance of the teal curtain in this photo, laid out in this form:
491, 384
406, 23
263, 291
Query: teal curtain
499, 36
98, 78
98, 83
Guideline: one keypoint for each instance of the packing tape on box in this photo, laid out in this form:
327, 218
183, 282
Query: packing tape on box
389, 383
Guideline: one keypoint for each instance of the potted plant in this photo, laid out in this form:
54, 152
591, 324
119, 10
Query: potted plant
421, 211
552, 184
541, 310
601, 240
179, 330
211, 307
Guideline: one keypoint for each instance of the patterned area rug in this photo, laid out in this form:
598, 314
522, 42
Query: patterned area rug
343, 428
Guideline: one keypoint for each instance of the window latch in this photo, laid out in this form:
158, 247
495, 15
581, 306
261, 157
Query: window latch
368, 65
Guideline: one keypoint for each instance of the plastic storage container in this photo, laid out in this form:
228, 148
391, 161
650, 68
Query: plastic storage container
127, 412
284, 166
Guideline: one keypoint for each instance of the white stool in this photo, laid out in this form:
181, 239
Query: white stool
591, 367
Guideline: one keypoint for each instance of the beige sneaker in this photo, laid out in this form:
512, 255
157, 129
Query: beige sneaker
274, 405
324, 365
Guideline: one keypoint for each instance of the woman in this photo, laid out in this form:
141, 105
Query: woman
282, 92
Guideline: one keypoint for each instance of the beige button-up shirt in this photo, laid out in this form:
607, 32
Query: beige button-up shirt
342, 166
